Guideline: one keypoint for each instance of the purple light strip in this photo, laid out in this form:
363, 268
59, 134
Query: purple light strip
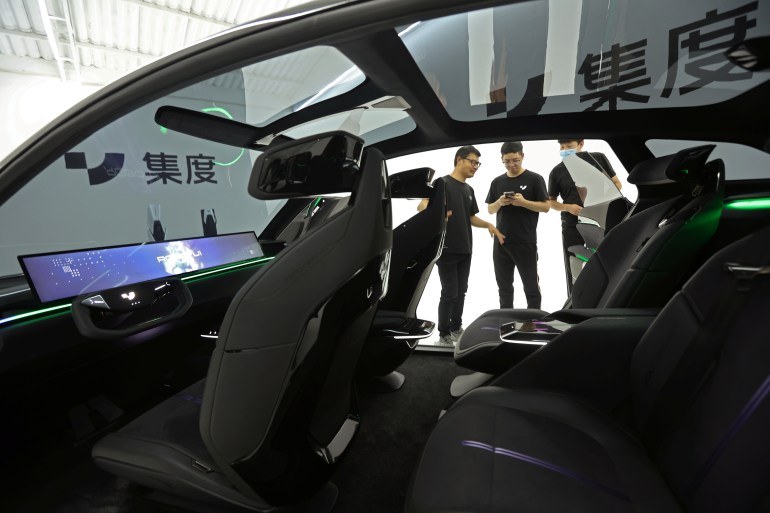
736, 426
546, 465
191, 398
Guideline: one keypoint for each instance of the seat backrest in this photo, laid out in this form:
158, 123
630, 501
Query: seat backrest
701, 380
417, 244
642, 260
277, 408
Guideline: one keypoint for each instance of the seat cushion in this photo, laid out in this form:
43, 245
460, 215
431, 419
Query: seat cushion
522, 450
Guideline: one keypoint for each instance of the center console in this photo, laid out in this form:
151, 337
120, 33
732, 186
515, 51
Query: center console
494, 351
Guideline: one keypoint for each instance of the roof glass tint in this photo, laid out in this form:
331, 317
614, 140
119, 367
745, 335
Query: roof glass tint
289, 83
591, 55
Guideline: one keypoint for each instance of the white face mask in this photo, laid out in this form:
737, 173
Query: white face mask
566, 153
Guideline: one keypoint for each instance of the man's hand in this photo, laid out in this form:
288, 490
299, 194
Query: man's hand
517, 200
494, 232
573, 208
504, 200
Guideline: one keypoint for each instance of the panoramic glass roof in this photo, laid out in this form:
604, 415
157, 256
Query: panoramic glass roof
587, 55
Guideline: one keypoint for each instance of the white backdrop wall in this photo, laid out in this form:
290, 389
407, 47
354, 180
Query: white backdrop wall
540, 157
29, 103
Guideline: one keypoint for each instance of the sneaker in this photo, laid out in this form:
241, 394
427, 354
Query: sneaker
446, 341
457, 334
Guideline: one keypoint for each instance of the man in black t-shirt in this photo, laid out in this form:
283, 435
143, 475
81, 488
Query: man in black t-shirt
560, 183
454, 265
517, 196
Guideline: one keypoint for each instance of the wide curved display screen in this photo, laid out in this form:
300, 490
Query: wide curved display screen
62, 275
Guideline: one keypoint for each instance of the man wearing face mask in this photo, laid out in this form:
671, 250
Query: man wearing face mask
560, 183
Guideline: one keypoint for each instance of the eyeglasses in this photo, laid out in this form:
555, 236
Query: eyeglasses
474, 163
509, 162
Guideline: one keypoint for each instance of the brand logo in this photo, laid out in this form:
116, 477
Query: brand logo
178, 258
128, 296
522, 187
104, 172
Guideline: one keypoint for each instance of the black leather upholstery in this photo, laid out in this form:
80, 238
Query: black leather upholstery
501, 448
417, 245
276, 408
639, 263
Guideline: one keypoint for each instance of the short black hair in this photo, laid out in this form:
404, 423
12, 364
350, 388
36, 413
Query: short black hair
465, 151
512, 147
564, 141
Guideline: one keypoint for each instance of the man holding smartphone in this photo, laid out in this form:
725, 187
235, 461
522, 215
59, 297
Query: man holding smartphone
517, 197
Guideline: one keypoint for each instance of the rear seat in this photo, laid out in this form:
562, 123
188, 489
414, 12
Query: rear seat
639, 264
695, 439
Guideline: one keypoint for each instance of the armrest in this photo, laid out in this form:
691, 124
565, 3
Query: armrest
397, 326
591, 360
577, 315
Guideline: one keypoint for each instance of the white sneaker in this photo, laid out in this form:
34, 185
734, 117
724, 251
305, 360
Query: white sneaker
456, 335
445, 341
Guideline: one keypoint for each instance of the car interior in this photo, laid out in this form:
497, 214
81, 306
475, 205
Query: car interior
206, 305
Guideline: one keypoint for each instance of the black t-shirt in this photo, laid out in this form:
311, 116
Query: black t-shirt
461, 200
518, 224
560, 182
599, 161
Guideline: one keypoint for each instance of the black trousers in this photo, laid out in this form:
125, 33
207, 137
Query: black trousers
453, 271
507, 258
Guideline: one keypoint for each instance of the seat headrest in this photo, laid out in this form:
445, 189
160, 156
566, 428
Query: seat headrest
688, 165
414, 183
320, 164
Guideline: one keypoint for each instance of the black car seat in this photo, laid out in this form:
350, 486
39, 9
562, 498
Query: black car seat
695, 439
417, 244
639, 264
276, 409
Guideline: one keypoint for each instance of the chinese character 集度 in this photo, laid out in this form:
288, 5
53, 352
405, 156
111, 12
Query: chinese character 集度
202, 166
704, 42
162, 166
614, 74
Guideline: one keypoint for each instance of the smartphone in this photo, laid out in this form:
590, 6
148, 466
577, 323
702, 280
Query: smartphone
509, 194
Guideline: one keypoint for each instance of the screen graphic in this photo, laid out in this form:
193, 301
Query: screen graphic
63, 275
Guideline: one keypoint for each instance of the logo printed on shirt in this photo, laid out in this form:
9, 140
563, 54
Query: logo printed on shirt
522, 187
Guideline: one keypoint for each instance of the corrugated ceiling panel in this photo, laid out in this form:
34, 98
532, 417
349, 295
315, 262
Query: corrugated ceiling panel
117, 36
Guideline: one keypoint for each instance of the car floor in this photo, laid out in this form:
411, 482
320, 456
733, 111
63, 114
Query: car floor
373, 475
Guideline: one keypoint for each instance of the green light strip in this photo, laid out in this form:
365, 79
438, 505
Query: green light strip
581, 257
226, 268
749, 204
313, 205
33, 313
62, 308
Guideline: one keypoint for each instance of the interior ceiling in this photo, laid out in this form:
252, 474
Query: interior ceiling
96, 41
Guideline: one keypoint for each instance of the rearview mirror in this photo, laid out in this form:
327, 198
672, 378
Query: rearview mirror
320, 164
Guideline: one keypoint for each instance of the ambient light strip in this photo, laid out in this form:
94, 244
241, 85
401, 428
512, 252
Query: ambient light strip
547, 465
749, 204
64, 308
34, 313
193, 277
